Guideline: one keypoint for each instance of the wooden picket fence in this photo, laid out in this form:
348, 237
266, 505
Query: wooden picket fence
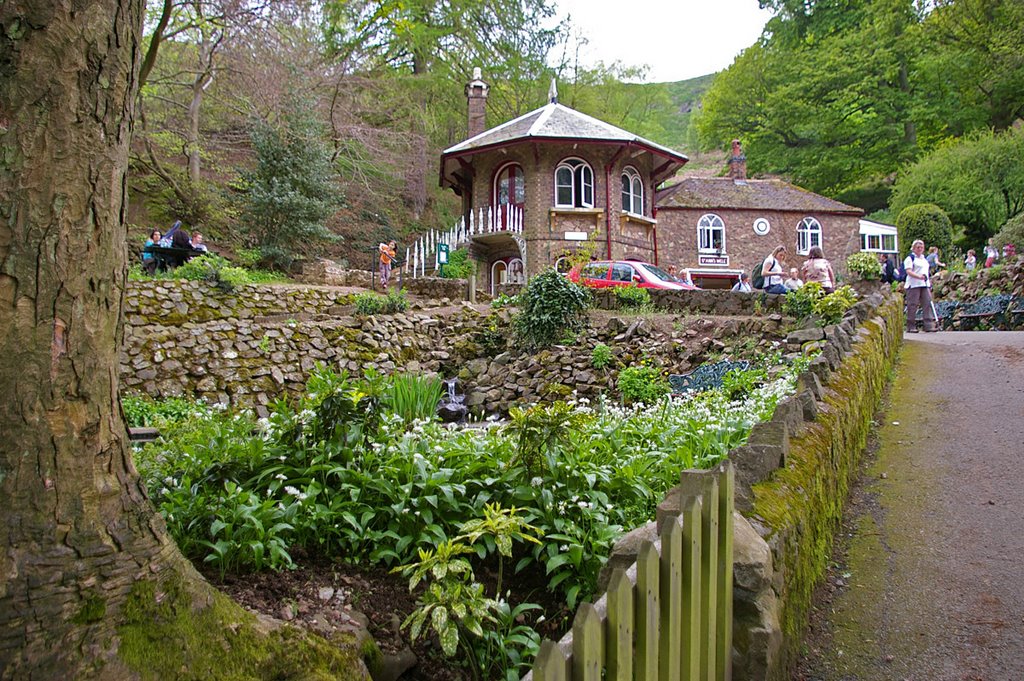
668, 617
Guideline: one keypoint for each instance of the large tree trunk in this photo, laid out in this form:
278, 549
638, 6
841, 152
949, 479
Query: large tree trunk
77, 529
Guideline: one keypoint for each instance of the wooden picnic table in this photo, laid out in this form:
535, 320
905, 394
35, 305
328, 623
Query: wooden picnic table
168, 258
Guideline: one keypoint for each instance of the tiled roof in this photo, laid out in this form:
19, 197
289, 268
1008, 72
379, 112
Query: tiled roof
556, 121
724, 192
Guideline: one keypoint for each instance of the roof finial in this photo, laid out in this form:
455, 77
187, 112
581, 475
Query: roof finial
553, 92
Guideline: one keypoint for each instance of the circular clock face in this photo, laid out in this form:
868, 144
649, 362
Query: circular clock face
762, 226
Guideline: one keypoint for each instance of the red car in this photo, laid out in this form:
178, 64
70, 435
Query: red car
608, 273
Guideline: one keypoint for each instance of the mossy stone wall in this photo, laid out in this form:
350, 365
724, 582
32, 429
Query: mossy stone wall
798, 509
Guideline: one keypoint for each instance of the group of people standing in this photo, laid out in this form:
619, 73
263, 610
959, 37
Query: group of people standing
815, 268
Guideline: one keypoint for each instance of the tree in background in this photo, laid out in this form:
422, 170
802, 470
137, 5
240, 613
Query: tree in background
927, 222
291, 191
977, 180
1011, 233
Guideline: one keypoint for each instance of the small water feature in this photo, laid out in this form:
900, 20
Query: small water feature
451, 408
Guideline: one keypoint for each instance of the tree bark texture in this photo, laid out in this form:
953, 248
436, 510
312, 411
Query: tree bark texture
76, 528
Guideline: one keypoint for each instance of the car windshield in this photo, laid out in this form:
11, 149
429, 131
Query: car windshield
659, 273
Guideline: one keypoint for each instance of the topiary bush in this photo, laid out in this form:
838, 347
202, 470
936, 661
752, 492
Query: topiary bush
864, 265
374, 303
927, 222
550, 307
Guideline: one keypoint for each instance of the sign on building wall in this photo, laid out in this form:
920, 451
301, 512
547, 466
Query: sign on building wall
718, 260
575, 236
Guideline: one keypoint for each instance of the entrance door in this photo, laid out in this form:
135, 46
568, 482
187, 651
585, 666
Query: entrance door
499, 276
509, 192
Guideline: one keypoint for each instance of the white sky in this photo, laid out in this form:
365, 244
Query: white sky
677, 39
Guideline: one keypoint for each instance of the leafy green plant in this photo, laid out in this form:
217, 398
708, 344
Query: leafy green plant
248, 532
927, 222
537, 433
144, 411
633, 297
739, 384
413, 397
550, 306
865, 265
498, 529
601, 356
832, 307
642, 384
800, 303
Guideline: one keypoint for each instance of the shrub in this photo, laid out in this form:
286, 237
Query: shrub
800, 303
504, 300
601, 356
1011, 233
375, 303
633, 297
550, 306
459, 265
927, 222
832, 307
643, 384
865, 265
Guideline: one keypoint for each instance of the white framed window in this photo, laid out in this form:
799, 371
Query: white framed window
808, 235
574, 184
632, 191
710, 234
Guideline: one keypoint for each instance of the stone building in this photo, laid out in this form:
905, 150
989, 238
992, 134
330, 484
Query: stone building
544, 184
718, 227
555, 180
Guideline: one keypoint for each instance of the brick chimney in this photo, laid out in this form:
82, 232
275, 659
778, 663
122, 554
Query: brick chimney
476, 99
737, 162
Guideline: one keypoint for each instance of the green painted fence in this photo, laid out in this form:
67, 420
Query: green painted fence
668, 617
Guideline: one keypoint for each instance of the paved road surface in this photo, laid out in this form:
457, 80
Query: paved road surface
932, 588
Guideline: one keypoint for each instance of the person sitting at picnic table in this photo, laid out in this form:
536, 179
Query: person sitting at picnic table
743, 285
197, 243
794, 282
148, 259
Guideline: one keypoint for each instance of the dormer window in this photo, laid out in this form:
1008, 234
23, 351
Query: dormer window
574, 184
632, 191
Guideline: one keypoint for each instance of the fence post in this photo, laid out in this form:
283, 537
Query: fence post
705, 484
472, 289
550, 664
587, 644
690, 506
648, 612
723, 638
671, 578
619, 629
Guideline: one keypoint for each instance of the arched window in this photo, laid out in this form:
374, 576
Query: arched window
574, 184
710, 234
509, 187
808, 235
632, 191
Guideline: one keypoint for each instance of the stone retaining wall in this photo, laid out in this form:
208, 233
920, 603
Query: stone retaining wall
257, 343
792, 479
329, 273
707, 301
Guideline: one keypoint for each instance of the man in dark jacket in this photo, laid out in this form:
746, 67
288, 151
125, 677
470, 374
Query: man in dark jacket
888, 268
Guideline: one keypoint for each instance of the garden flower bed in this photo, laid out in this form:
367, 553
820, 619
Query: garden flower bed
340, 476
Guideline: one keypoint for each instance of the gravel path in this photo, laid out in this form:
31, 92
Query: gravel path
928, 580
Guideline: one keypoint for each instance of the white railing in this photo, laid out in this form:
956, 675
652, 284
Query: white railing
489, 220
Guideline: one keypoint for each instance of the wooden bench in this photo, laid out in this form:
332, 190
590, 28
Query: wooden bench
705, 377
143, 434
